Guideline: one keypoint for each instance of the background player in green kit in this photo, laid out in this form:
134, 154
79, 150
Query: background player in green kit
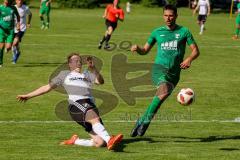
171, 42
7, 14
45, 8
236, 36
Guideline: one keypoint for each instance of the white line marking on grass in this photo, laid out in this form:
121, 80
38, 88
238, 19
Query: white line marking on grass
123, 121
94, 45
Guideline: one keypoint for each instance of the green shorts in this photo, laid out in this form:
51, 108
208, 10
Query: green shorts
6, 35
238, 20
44, 10
162, 75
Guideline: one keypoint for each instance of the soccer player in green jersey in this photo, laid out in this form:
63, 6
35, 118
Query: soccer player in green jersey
7, 14
236, 36
171, 43
45, 8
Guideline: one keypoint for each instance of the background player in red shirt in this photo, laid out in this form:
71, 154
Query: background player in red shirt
112, 14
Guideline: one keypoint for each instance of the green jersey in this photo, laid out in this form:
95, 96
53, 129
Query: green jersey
171, 46
44, 3
7, 16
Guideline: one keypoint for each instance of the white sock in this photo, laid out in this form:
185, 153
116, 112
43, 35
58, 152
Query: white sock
100, 130
84, 142
201, 28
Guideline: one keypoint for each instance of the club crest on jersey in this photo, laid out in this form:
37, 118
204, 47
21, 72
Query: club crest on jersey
177, 35
172, 45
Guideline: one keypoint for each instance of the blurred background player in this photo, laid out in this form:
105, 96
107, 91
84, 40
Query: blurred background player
204, 10
78, 83
171, 40
192, 4
7, 14
24, 12
45, 7
112, 14
236, 36
128, 7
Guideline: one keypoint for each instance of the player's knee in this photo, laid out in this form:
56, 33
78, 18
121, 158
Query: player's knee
163, 96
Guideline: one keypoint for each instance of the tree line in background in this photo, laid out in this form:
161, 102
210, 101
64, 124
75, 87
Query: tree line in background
224, 4
98, 3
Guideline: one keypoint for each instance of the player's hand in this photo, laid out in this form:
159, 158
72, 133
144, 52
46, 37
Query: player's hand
134, 48
22, 98
90, 64
186, 63
28, 25
104, 16
18, 26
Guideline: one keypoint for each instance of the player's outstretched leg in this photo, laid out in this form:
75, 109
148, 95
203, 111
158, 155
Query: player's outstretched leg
42, 22
101, 42
48, 22
143, 122
16, 54
108, 37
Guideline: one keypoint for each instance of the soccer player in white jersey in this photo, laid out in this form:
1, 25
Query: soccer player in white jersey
25, 22
204, 10
78, 84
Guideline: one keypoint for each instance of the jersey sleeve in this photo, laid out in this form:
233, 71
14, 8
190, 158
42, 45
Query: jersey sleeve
108, 7
152, 39
59, 79
121, 15
28, 10
91, 77
190, 39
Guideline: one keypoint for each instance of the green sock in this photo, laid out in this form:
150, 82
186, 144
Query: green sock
151, 111
237, 31
1, 55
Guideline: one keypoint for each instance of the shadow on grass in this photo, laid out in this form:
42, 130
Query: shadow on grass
229, 149
198, 139
123, 144
45, 64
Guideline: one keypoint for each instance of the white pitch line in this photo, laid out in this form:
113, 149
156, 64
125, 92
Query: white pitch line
94, 45
124, 121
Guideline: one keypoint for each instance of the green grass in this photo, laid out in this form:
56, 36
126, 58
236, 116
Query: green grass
31, 130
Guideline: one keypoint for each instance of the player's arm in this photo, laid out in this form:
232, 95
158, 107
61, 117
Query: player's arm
48, 3
105, 12
195, 53
40, 91
121, 15
29, 19
196, 9
141, 50
92, 68
209, 9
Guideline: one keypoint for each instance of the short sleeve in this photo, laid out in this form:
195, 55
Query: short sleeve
91, 77
152, 39
121, 14
190, 39
59, 79
28, 10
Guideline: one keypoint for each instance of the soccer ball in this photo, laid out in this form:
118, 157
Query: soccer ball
186, 96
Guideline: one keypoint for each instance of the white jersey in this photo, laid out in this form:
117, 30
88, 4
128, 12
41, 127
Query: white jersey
203, 7
77, 85
23, 11
128, 7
